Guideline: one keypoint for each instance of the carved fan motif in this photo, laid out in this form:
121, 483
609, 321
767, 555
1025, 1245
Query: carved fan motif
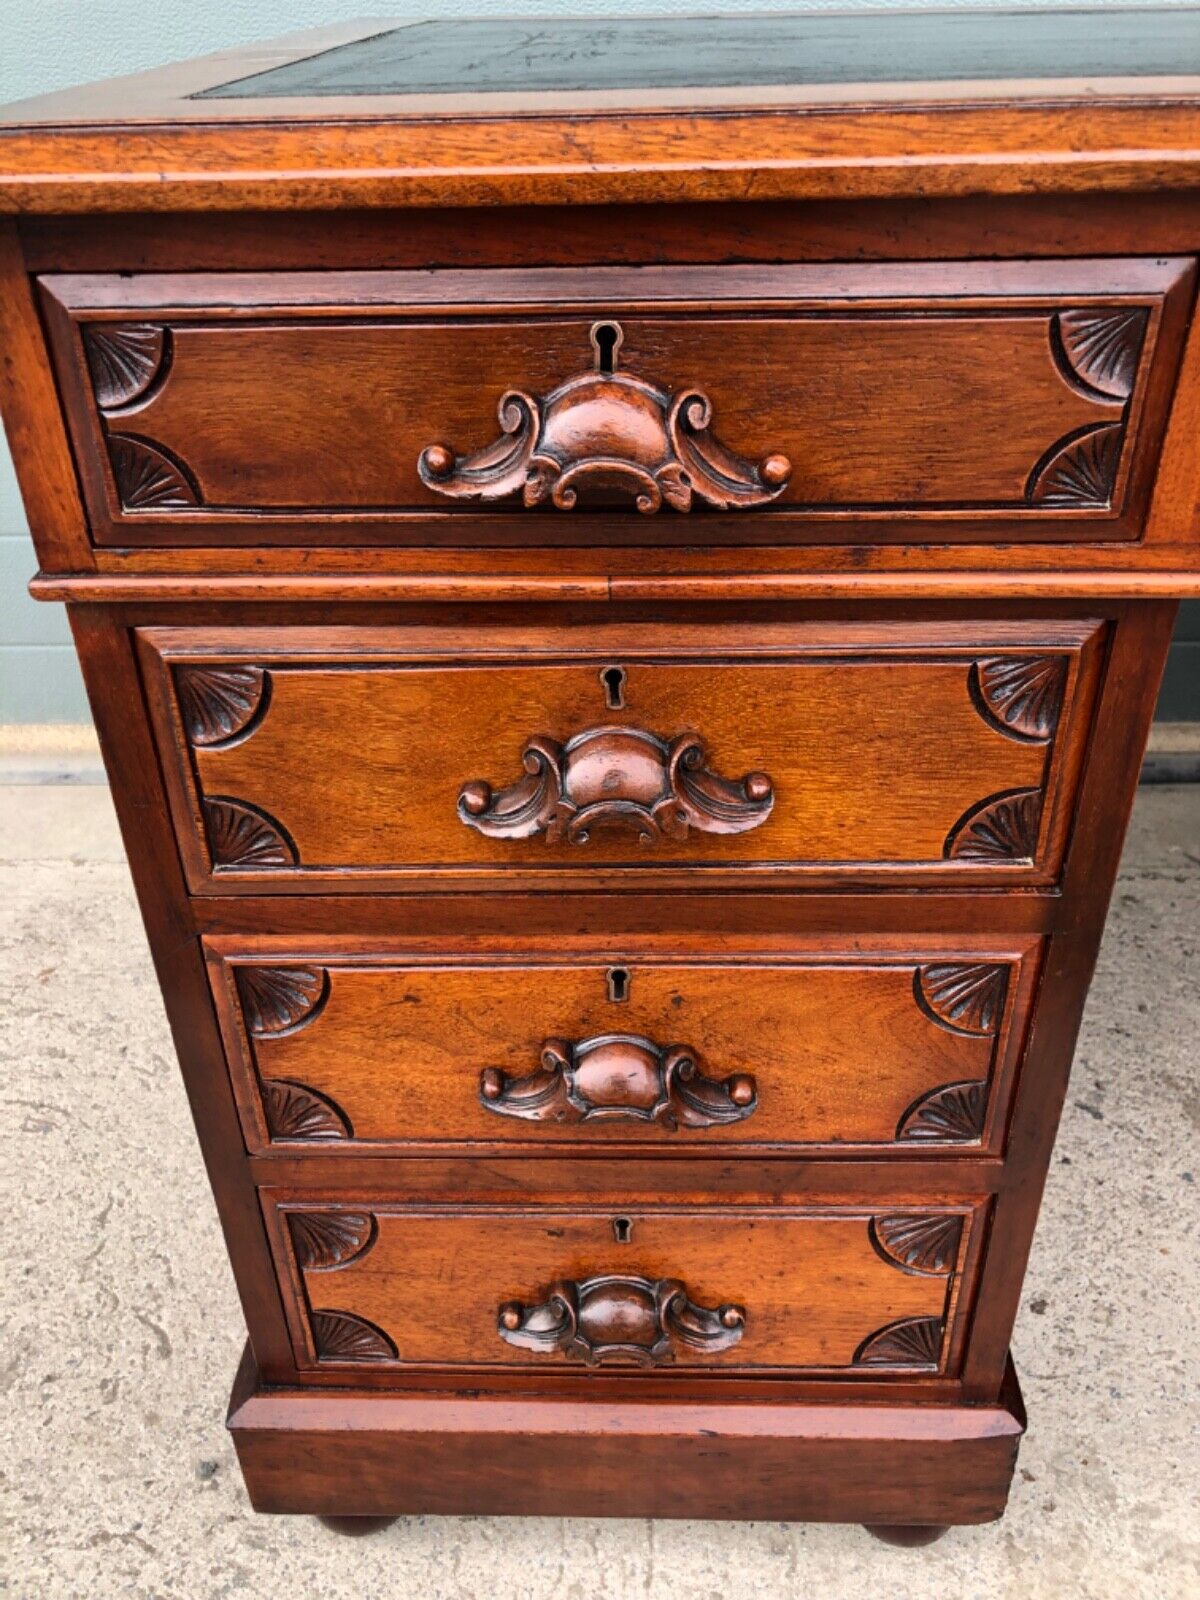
926, 1244
965, 999
123, 359
241, 836
218, 702
1002, 829
911, 1342
341, 1336
147, 479
275, 999
327, 1239
1080, 475
295, 1112
1102, 347
1024, 694
953, 1114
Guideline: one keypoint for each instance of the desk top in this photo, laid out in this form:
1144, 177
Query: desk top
511, 110
537, 56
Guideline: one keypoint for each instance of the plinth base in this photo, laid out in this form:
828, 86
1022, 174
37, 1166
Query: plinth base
359, 1453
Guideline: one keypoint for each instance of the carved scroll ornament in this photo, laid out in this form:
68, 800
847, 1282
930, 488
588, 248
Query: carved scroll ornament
619, 1077
625, 776
619, 1318
606, 433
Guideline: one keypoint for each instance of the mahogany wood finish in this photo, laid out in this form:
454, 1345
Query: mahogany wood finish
363, 1049
338, 392
309, 1451
917, 729
625, 967
882, 1291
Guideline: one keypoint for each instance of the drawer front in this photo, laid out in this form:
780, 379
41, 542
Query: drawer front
829, 1051
930, 402
828, 1290
923, 753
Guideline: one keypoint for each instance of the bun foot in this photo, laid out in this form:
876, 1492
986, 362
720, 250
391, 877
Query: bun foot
908, 1535
356, 1527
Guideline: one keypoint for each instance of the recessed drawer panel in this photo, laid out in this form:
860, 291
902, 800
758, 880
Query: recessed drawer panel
830, 1050
928, 402
830, 1290
874, 753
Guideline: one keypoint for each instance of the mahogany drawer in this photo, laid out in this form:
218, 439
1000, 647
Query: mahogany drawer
827, 1289
834, 1049
931, 402
928, 753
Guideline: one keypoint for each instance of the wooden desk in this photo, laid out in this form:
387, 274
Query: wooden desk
622, 571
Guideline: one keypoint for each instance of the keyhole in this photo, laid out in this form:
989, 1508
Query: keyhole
607, 338
613, 679
618, 985
622, 1230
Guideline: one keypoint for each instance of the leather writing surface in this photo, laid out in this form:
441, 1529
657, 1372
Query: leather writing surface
564, 54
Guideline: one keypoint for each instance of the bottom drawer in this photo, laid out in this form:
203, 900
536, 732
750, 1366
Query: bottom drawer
827, 1289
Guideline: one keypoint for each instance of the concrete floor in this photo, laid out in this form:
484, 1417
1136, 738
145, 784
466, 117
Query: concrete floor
121, 1328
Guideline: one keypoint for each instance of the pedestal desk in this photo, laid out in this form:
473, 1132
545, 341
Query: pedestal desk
622, 571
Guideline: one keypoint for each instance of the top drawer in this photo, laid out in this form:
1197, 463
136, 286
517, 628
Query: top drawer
925, 402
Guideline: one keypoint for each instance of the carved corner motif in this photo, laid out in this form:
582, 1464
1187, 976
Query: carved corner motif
324, 1240
1100, 348
1002, 830
1021, 695
963, 998
619, 1078
923, 1244
342, 1336
621, 776
279, 999
913, 1342
243, 837
1079, 473
147, 477
218, 704
953, 1114
1098, 351
619, 1318
606, 433
124, 359
298, 1114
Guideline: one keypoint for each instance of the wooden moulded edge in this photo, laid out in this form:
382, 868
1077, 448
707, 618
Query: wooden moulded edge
435, 587
1056, 143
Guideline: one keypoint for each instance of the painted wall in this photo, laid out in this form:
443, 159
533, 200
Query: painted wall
55, 43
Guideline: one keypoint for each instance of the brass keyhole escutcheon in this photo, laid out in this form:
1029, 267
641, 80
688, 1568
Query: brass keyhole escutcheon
618, 981
607, 339
613, 679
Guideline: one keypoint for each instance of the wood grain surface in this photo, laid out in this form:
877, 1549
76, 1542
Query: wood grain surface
391, 1453
881, 759
876, 705
434, 1282
1015, 402
369, 1051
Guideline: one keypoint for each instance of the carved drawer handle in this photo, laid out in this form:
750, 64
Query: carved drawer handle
656, 786
604, 431
619, 1077
613, 1317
